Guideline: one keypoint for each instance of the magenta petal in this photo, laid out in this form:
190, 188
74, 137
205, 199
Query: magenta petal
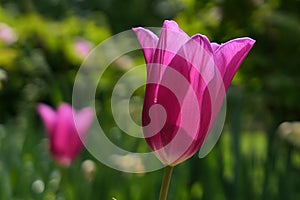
65, 144
148, 42
172, 25
65, 130
204, 42
229, 56
83, 120
48, 116
186, 121
169, 102
214, 46
170, 41
196, 61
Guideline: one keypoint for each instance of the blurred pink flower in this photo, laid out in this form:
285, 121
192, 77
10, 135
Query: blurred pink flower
82, 47
187, 80
66, 128
7, 34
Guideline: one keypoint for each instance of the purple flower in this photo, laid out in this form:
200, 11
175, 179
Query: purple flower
66, 128
187, 80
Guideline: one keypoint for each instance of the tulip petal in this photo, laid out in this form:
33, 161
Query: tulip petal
165, 98
195, 61
48, 116
214, 133
66, 143
83, 120
64, 130
230, 55
203, 42
148, 42
172, 25
170, 41
214, 46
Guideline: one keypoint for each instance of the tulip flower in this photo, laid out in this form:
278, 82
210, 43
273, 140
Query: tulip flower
66, 129
206, 67
187, 80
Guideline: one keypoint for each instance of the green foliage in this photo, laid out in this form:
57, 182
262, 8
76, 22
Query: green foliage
42, 64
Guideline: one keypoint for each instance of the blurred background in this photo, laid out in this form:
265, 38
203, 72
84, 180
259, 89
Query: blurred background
43, 43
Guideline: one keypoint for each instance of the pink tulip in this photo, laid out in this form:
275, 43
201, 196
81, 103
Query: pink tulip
187, 80
66, 128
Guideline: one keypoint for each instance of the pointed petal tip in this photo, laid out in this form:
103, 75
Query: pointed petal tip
44, 110
168, 22
251, 41
143, 33
171, 25
196, 37
246, 40
199, 36
148, 41
40, 106
48, 116
63, 104
64, 107
136, 29
203, 41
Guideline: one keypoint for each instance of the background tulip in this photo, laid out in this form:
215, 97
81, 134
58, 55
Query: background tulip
66, 128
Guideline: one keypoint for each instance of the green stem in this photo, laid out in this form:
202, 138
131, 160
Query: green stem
165, 183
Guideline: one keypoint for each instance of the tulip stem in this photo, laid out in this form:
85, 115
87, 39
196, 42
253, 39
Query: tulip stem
165, 183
